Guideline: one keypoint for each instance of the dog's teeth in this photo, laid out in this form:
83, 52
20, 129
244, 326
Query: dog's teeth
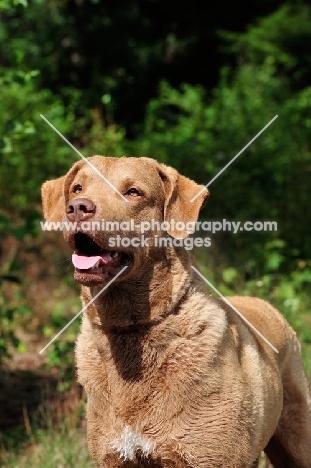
96, 264
115, 254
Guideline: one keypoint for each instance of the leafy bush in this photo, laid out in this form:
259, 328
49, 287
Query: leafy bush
200, 134
30, 151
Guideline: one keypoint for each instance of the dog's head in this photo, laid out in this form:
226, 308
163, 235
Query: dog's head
98, 213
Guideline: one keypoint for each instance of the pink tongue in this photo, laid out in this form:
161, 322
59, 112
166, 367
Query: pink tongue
84, 263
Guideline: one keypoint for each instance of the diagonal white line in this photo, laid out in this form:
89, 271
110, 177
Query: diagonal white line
82, 310
83, 157
235, 310
233, 159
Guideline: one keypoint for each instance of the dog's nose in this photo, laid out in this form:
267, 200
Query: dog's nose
80, 209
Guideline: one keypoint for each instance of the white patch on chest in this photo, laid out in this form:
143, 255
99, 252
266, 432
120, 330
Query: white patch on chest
130, 443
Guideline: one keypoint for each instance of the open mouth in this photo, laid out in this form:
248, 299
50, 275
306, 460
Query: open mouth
93, 264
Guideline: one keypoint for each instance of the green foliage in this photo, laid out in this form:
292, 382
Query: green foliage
12, 305
11, 311
8, 5
199, 135
282, 37
30, 151
61, 357
92, 47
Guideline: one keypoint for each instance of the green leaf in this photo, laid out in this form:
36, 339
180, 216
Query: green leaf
229, 275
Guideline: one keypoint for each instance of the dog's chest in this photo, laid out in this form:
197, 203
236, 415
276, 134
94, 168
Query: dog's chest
131, 444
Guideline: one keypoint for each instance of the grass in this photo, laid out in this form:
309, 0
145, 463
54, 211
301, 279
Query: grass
52, 449
51, 432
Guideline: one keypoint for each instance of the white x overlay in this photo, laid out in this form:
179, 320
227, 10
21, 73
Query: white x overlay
195, 269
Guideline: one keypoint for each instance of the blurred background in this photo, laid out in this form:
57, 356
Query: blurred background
188, 83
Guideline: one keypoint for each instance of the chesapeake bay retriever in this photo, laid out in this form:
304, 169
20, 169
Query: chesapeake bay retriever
173, 377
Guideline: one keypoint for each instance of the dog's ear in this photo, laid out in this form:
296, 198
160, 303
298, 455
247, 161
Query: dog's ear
54, 194
179, 191
53, 200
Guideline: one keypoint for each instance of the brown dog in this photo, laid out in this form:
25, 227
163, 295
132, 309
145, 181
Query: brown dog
174, 378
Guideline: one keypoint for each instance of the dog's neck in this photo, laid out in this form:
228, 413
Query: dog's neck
144, 299
131, 324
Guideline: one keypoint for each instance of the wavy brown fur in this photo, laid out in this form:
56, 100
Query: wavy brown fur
174, 378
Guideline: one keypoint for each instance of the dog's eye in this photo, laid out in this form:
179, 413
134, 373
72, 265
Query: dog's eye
77, 188
133, 192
